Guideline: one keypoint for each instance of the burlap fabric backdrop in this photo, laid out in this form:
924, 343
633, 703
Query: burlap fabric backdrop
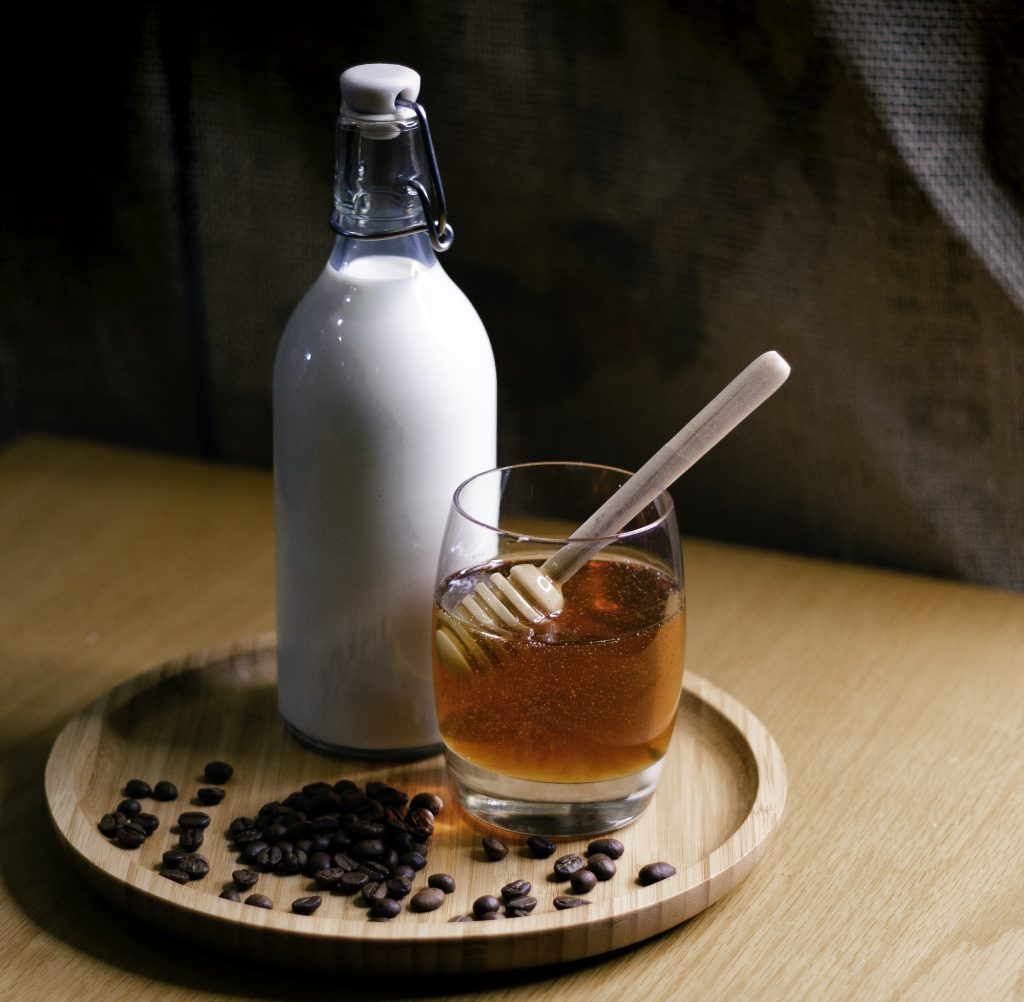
646, 196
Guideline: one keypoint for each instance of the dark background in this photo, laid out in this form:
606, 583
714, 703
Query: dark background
646, 197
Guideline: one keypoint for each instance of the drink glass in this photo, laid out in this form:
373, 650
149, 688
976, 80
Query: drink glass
559, 727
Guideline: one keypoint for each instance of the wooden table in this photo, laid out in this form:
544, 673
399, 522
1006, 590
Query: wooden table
898, 701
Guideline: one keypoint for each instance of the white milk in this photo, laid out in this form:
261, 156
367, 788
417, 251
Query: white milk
384, 401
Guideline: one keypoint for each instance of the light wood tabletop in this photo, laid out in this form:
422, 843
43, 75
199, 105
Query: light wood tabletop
897, 702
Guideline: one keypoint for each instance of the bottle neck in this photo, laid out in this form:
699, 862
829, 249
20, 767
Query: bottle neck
414, 246
378, 161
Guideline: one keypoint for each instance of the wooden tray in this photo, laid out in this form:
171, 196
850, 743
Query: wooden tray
720, 798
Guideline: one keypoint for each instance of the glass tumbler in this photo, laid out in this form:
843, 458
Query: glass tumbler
560, 726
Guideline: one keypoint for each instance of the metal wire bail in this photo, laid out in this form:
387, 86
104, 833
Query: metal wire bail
441, 234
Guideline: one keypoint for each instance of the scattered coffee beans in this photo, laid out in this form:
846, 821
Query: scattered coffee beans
244, 879
138, 789
218, 772
385, 908
564, 901
540, 847
165, 790
516, 889
194, 819
129, 807
518, 907
259, 901
653, 872
427, 900
442, 881
307, 905
190, 839
210, 794
195, 865
610, 847
431, 801
494, 848
583, 881
601, 866
148, 822
178, 876
130, 835
483, 905
230, 894
566, 866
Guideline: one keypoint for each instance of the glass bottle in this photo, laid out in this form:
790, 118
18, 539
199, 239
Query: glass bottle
384, 400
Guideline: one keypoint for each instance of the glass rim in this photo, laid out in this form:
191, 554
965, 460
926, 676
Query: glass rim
526, 537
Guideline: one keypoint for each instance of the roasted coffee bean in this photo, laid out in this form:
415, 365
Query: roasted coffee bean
194, 865
421, 821
190, 838
443, 881
291, 862
516, 889
494, 848
244, 879
149, 822
583, 881
129, 808
540, 847
427, 899
367, 848
307, 905
402, 871
518, 907
326, 825
566, 866
317, 861
398, 887
178, 876
386, 795
488, 917
377, 871
344, 861
358, 830
431, 801
268, 858
601, 866
328, 879
461, 918
259, 901
247, 836
274, 831
340, 842
610, 847
210, 794
372, 890
352, 881
130, 835
109, 823
319, 843
230, 894
194, 819
251, 850
414, 859
218, 772
299, 830
653, 872
165, 790
384, 908
564, 901
138, 789
389, 859
172, 856
484, 905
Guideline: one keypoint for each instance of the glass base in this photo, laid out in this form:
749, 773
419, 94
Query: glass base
566, 810
368, 753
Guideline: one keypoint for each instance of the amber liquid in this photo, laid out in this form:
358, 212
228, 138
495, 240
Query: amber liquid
590, 695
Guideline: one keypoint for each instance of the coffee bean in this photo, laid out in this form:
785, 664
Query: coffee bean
488, 917
601, 866
386, 795
414, 859
653, 872
130, 835
172, 856
610, 847
247, 836
138, 789
540, 847
109, 823
518, 907
210, 794
351, 882
566, 866
372, 890
583, 881
494, 848
360, 830
165, 790
194, 819
564, 901
251, 851
398, 887
149, 822
291, 862
129, 808
377, 871
385, 908
344, 862
515, 889
194, 865
427, 899
484, 905
178, 876
259, 901
431, 801
461, 918
244, 879
190, 838
218, 772
274, 831
421, 820
442, 881
268, 858
368, 848
307, 905
328, 879
230, 894
402, 871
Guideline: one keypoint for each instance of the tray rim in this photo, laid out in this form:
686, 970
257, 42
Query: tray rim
695, 887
